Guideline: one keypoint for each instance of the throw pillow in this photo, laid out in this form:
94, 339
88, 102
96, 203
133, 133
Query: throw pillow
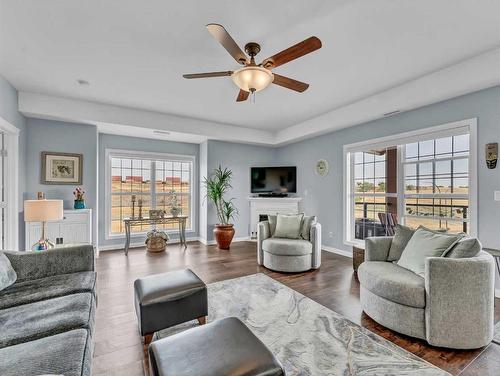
426, 243
466, 247
401, 238
272, 223
288, 226
7, 274
307, 222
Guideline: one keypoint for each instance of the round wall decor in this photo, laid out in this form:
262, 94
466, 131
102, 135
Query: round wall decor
322, 167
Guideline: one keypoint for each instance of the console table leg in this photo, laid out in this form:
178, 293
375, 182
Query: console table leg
127, 238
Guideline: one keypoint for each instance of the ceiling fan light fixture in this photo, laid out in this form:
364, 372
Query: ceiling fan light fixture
252, 78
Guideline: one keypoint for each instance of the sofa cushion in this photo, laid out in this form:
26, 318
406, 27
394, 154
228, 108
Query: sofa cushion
288, 226
393, 282
7, 273
287, 247
45, 318
66, 354
423, 244
466, 247
47, 288
305, 230
401, 238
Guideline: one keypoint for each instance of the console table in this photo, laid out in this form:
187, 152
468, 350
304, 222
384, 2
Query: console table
180, 220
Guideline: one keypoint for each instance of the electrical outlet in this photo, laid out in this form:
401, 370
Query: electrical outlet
330, 234
496, 195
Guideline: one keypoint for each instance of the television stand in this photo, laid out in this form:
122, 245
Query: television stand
275, 195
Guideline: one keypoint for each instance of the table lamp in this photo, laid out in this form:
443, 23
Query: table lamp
43, 211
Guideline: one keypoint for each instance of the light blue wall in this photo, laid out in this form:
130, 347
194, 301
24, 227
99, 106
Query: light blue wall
55, 136
9, 112
238, 158
323, 196
107, 141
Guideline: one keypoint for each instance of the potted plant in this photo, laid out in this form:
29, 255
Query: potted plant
79, 199
217, 186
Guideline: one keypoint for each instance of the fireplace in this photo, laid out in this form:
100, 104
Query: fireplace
260, 207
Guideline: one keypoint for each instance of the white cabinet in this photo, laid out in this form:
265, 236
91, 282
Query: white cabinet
76, 227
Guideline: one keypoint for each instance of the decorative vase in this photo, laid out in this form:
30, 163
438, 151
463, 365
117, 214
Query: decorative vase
224, 235
79, 204
174, 211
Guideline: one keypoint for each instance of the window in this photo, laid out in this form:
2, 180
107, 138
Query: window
156, 180
419, 178
436, 183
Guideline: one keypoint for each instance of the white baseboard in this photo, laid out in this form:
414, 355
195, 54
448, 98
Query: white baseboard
213, 242
113, 247
337, 251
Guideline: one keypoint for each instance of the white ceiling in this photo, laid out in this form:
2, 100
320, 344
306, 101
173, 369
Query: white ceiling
134, 53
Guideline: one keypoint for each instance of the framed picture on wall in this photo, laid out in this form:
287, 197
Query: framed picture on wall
61, 168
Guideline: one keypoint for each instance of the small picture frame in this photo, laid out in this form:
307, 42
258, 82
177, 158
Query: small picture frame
61, 168
156, 214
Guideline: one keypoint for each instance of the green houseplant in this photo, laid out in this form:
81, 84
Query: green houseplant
217, 185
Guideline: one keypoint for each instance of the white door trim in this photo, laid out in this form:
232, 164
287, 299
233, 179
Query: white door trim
12, 188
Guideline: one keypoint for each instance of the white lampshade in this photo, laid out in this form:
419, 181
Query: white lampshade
252, 78
43, 210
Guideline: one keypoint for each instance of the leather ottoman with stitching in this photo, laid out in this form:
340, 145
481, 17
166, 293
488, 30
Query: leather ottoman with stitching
224, 347
167, 299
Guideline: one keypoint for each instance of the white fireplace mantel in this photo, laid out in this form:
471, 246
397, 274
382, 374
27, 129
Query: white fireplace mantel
270, 205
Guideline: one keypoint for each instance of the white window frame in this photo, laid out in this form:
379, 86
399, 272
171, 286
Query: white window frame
119, 153
433, 132
11, 139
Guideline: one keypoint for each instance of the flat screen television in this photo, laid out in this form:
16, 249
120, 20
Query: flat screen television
273, 180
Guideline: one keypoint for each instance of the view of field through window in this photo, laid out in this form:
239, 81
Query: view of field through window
157, 183
435, 186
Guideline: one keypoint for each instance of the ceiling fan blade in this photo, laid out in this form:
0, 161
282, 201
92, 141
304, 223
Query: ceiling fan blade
290, 83
300, 49
207, 75
242, 96
223, 37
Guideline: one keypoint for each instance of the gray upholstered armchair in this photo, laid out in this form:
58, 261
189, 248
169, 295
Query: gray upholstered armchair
452, 306
288, 255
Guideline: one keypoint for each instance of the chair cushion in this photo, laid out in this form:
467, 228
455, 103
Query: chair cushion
287, 247
423, 244
7, 273
393, 282
401, 238
466, 247
66, 354
45, 318
223, 347
288, 226
47, 288
305, 230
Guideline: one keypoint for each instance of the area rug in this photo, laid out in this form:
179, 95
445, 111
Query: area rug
308, 338
496, 335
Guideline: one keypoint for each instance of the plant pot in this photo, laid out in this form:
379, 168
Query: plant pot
224, 235
79, 204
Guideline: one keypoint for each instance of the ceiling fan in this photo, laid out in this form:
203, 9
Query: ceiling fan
255, 77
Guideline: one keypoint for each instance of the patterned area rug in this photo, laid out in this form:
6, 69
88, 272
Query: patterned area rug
496, 335
308, 338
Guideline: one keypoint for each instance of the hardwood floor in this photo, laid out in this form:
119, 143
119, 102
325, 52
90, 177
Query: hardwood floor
117, 343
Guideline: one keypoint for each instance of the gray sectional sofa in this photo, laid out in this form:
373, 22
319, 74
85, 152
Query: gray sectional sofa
451, 306
47, 315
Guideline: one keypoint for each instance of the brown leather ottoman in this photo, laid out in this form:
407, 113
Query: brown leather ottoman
167, 299
224, 347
